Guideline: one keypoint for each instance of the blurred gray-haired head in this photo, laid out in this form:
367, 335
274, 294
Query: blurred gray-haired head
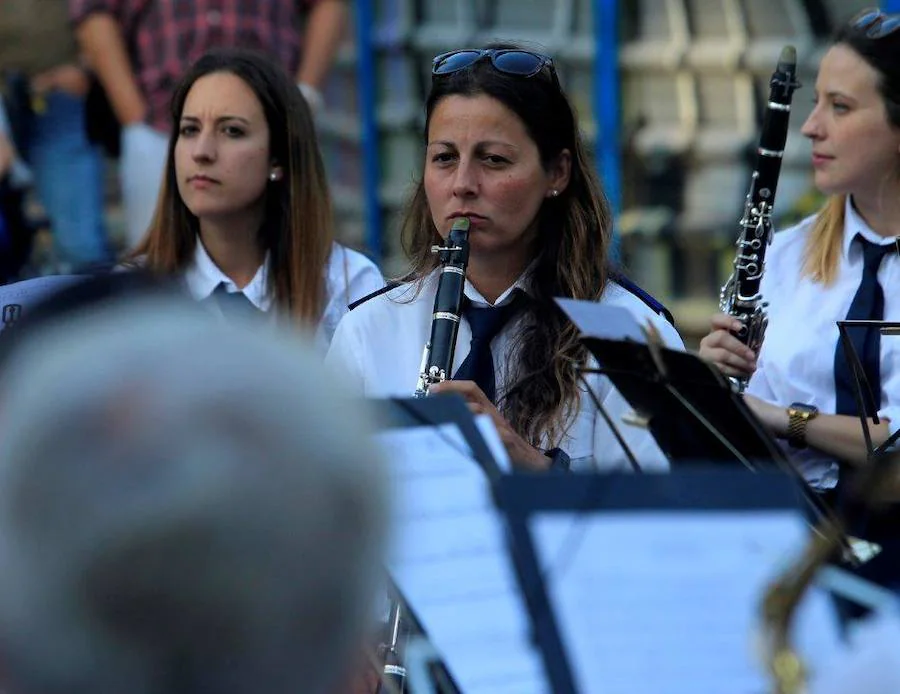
185, 507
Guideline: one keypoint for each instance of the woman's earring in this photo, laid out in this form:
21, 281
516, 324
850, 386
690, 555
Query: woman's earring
554, 192
273, 176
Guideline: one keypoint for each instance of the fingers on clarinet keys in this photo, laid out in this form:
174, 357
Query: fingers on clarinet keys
730, 355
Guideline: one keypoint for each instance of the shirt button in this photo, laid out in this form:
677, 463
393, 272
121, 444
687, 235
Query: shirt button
214, 18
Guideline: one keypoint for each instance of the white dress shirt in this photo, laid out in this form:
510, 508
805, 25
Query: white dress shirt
379, 347
348, 276
796, 362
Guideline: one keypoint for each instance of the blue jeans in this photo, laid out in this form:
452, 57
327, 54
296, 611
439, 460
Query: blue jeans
69, 180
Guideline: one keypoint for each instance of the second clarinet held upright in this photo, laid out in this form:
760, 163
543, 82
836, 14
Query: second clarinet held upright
741, 297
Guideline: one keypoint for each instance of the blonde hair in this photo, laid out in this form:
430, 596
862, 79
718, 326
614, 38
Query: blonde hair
823, 245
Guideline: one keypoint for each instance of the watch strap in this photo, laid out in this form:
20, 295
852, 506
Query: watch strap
798, 419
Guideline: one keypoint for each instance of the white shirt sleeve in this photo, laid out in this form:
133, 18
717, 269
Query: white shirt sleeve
758, 385
345, 356
363, 276
351, 276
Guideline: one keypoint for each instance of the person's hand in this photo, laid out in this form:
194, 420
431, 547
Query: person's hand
774, 417
522, 454
6, 155
730, 355
71, 79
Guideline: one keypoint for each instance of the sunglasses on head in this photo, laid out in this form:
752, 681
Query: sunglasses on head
511, 61
875, 23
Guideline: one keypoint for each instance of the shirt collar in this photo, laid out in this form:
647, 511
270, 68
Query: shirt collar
522, 283
202, 276
854, 224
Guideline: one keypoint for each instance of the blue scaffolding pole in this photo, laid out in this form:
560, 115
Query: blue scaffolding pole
606, 98
368, 100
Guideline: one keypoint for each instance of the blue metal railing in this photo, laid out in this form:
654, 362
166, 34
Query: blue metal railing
368, 105
607, 98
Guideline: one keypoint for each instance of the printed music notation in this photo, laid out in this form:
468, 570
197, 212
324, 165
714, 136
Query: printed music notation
667, 602
451, 562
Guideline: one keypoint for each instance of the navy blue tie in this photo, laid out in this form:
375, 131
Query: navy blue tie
881, 527
485, 323
235, 304
868, 304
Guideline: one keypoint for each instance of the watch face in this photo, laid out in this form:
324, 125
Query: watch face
803, 407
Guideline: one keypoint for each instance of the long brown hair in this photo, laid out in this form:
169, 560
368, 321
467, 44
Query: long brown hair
570, 257
298, 230
823, 245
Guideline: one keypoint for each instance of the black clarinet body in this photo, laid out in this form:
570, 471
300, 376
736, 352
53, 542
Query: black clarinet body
740, 296
436, 367
437, 358
393, 672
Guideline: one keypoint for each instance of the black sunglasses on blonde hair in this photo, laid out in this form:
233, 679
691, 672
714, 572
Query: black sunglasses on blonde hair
510, 61
875, 23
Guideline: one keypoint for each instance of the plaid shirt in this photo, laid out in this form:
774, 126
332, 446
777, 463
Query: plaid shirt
164, 37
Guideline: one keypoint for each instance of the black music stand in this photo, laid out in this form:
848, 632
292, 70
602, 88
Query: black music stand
687, 404
859, 516
523, 497
862, 389
434, 411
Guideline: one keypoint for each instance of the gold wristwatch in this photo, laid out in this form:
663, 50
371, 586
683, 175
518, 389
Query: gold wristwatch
799, 415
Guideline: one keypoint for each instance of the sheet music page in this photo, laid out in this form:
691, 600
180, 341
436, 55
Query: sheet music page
871, 662
668, 602
450, 560
603, 321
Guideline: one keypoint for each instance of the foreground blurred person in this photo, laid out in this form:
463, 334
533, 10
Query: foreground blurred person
177, 514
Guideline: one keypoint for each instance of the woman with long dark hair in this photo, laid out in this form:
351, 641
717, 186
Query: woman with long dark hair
244, 213
503, 149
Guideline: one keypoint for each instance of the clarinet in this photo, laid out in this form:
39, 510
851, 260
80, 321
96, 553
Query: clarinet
437, 357
437, 365
740, 296
393, 673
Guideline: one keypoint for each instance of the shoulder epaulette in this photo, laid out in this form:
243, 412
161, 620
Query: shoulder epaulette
378, 292
644, 296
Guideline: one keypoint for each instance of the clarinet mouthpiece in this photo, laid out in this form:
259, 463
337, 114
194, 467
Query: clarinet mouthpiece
787, 61
461, 224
